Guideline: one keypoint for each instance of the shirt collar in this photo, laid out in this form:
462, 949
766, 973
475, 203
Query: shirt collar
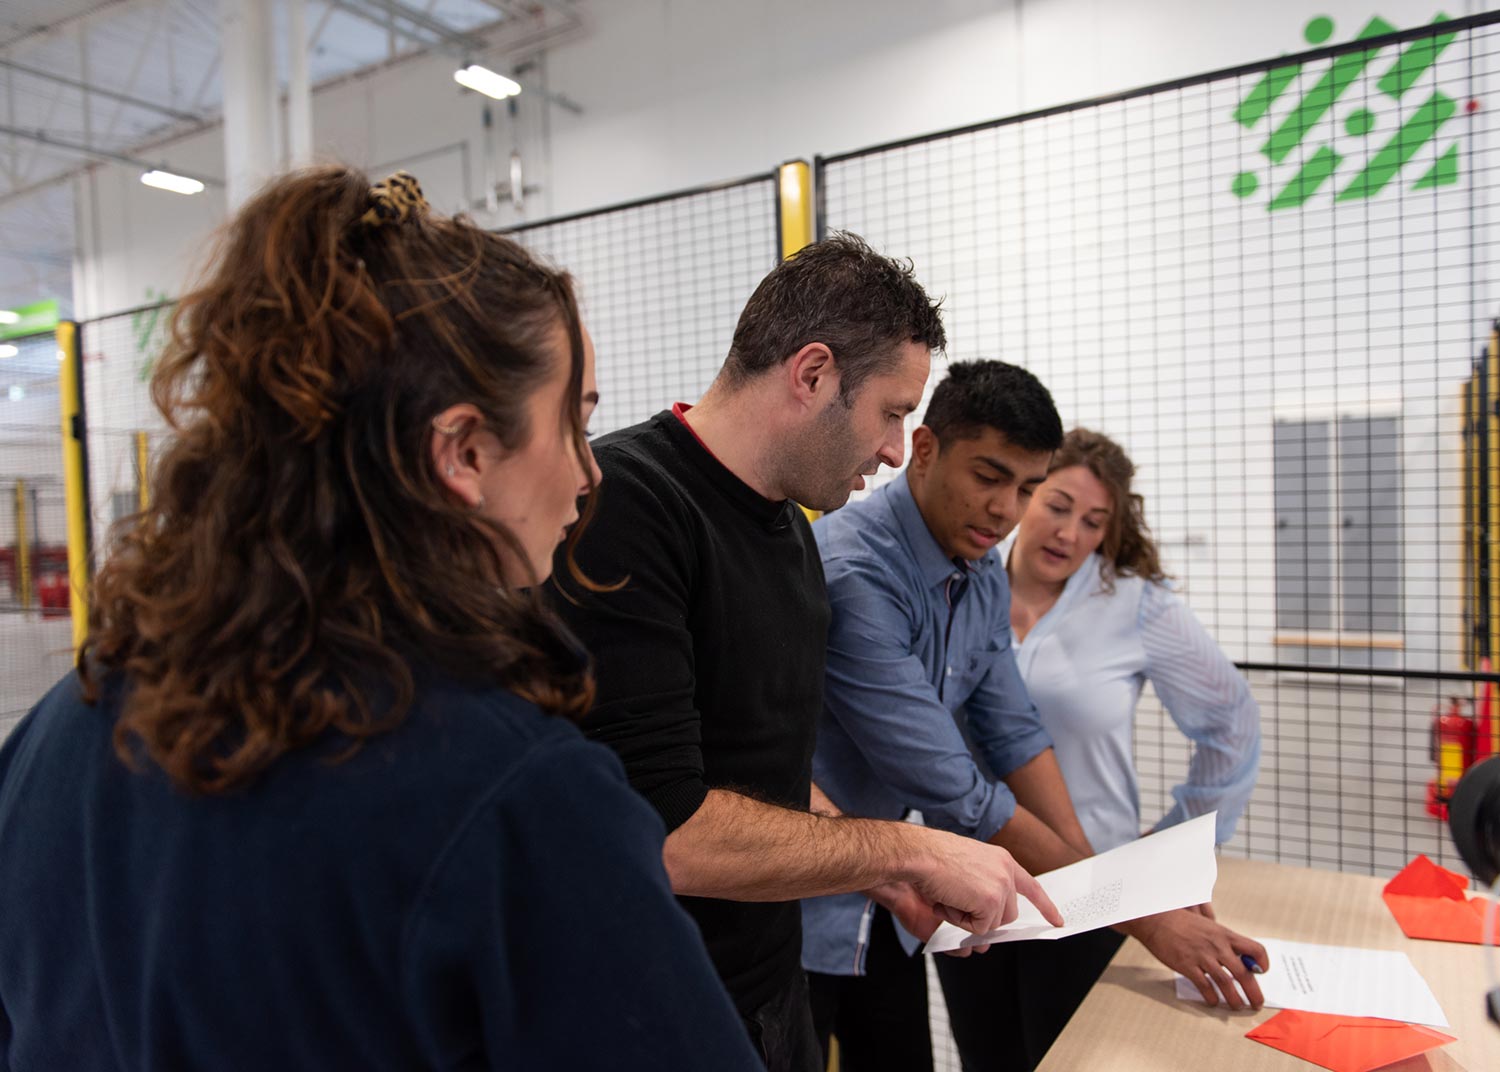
935, 567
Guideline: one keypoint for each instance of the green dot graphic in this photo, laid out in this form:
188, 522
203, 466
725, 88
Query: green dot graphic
1245, 184
1318, 30
1360, 122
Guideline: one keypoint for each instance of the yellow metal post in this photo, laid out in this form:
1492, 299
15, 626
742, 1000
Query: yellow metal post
142, 472
1491, 475
1490, 470
23, 547
75, 476
1468, 559
795, 205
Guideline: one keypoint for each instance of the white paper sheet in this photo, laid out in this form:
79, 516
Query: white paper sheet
1342, 980
1171, 869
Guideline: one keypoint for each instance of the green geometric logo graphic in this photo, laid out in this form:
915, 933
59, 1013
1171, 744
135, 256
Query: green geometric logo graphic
149, 326
1292, 130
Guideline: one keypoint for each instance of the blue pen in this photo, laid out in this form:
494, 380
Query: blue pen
1249, 962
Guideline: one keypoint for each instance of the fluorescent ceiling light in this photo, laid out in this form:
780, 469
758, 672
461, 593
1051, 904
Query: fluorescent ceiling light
178, 184
7, 350
17, 392
483, 80
8, 317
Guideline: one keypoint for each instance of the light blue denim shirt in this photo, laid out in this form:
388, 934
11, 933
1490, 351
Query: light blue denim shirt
890, 737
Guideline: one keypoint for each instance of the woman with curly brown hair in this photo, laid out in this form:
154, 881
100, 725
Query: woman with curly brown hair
314, 798
1094, 621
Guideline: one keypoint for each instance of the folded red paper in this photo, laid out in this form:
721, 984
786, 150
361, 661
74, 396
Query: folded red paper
1346, 1043
1428, 901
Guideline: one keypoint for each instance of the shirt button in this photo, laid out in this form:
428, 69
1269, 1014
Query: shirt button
950, 671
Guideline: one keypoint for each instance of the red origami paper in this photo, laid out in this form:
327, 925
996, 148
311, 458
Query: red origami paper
1428, 901
1346, 1043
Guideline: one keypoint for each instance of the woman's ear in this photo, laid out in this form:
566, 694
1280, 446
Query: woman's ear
455, 452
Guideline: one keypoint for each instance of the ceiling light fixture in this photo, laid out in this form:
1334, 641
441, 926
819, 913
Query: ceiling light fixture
483, 80
178, 184
9, 317
7, 350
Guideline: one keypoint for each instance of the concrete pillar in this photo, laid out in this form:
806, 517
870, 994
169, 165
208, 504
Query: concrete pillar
299, 88
249, 90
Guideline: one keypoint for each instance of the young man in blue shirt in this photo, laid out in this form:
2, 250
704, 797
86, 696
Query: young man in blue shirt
925, 710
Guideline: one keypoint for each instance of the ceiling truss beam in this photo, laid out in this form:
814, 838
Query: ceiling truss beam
98, 91
47, 141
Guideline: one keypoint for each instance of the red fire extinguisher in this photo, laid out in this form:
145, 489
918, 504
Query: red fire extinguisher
1452, 751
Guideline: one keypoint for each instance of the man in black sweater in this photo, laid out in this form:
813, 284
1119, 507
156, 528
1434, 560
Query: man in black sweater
709, 655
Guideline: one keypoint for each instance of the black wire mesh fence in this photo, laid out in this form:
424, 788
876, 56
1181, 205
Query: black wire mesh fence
1270, 285
124, 427
661, 284
35, 628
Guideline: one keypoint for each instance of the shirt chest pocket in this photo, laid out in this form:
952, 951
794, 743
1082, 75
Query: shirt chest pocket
962, 674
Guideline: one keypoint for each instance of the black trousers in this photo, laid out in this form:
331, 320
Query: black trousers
1008, 1006
879, 1018
782, 1030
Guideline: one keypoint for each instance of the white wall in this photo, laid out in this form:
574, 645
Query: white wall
682, 93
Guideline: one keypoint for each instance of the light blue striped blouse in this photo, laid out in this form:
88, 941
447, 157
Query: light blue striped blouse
1085, 663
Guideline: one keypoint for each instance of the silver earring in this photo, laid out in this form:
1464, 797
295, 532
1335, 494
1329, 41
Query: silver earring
480, 504
450, 470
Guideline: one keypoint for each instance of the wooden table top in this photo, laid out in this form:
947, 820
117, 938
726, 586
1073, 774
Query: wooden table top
1132, 1019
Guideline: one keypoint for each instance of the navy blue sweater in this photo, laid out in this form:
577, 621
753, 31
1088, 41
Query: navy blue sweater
479, 888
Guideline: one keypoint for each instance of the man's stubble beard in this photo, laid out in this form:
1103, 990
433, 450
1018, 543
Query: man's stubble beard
817, 467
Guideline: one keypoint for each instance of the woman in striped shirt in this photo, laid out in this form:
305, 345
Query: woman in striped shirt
1094, 620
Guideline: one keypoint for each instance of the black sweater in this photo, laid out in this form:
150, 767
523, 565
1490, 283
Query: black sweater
709, 659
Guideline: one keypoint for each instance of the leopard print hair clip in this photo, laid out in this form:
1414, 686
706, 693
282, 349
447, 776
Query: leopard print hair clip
395, 199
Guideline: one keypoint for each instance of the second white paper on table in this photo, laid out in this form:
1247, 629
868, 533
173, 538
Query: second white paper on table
1342, 980
1175, 868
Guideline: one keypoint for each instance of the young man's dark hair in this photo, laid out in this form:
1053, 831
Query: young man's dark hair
991, 394
839, 292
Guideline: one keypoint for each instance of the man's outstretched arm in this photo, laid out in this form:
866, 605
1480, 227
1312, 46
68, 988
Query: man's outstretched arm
741, 849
